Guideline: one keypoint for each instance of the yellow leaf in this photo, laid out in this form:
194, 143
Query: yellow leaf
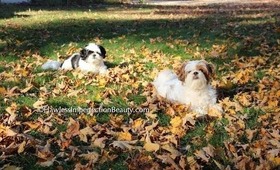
245, 99
74, 93
12, 109
7, 131
125, 76
215, 112
149, 146
32, 125
124, 136
2, 91
138, 123
102, 82
272, 103
21, 147
176, 121
38, 104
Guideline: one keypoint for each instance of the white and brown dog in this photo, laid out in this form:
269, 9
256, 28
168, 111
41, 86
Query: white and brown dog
89, 59
191, 86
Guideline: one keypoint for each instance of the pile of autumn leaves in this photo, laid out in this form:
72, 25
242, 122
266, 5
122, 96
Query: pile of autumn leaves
25, 131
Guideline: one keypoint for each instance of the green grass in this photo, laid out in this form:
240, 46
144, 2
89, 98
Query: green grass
164, 120
148, 36
220, 135
253, 115
117, 164
197, 133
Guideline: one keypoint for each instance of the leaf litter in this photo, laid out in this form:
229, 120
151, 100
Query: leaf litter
251, 115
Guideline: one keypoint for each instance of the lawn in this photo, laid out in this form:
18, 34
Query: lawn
68, 120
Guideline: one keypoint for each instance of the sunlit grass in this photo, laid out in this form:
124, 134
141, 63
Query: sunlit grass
142, 39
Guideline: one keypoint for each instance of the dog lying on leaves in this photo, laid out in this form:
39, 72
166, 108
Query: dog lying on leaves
191, 86
89, 59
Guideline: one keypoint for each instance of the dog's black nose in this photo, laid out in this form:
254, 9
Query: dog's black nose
195, 73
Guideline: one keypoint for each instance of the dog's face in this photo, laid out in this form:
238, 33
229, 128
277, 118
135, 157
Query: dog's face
196, 74
93, 53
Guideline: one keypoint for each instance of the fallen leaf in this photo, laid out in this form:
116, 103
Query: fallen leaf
84, 133
91, 156
124, 144
99, 142
149, 146
21, 146
125, 136
202, 155
38, 104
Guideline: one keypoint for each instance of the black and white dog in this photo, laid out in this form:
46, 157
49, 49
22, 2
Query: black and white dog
89, 59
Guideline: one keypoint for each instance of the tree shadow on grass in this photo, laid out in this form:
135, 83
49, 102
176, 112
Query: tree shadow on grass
212, 25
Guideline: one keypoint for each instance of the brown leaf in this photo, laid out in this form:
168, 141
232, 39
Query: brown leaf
209, 150
201, 154
124, 144
174, 152
167, 159
7, 131
12, 111
99, 142
73, 129
85, 132
11, 167
27, 88
32, 125
91, 156
151, 127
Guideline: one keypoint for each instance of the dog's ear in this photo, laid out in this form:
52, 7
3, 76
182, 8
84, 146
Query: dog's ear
103, 51
182, 72
83, 53
210, 70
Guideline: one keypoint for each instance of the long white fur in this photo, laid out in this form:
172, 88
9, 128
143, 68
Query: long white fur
196, 93
89, 65
52, 65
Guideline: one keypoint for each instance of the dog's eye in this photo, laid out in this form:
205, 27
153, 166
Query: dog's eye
90, 52
189, 71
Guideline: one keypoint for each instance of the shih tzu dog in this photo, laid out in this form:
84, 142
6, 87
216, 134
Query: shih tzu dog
191, 86
89, 59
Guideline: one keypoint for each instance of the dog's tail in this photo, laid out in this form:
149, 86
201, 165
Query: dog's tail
51, 65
